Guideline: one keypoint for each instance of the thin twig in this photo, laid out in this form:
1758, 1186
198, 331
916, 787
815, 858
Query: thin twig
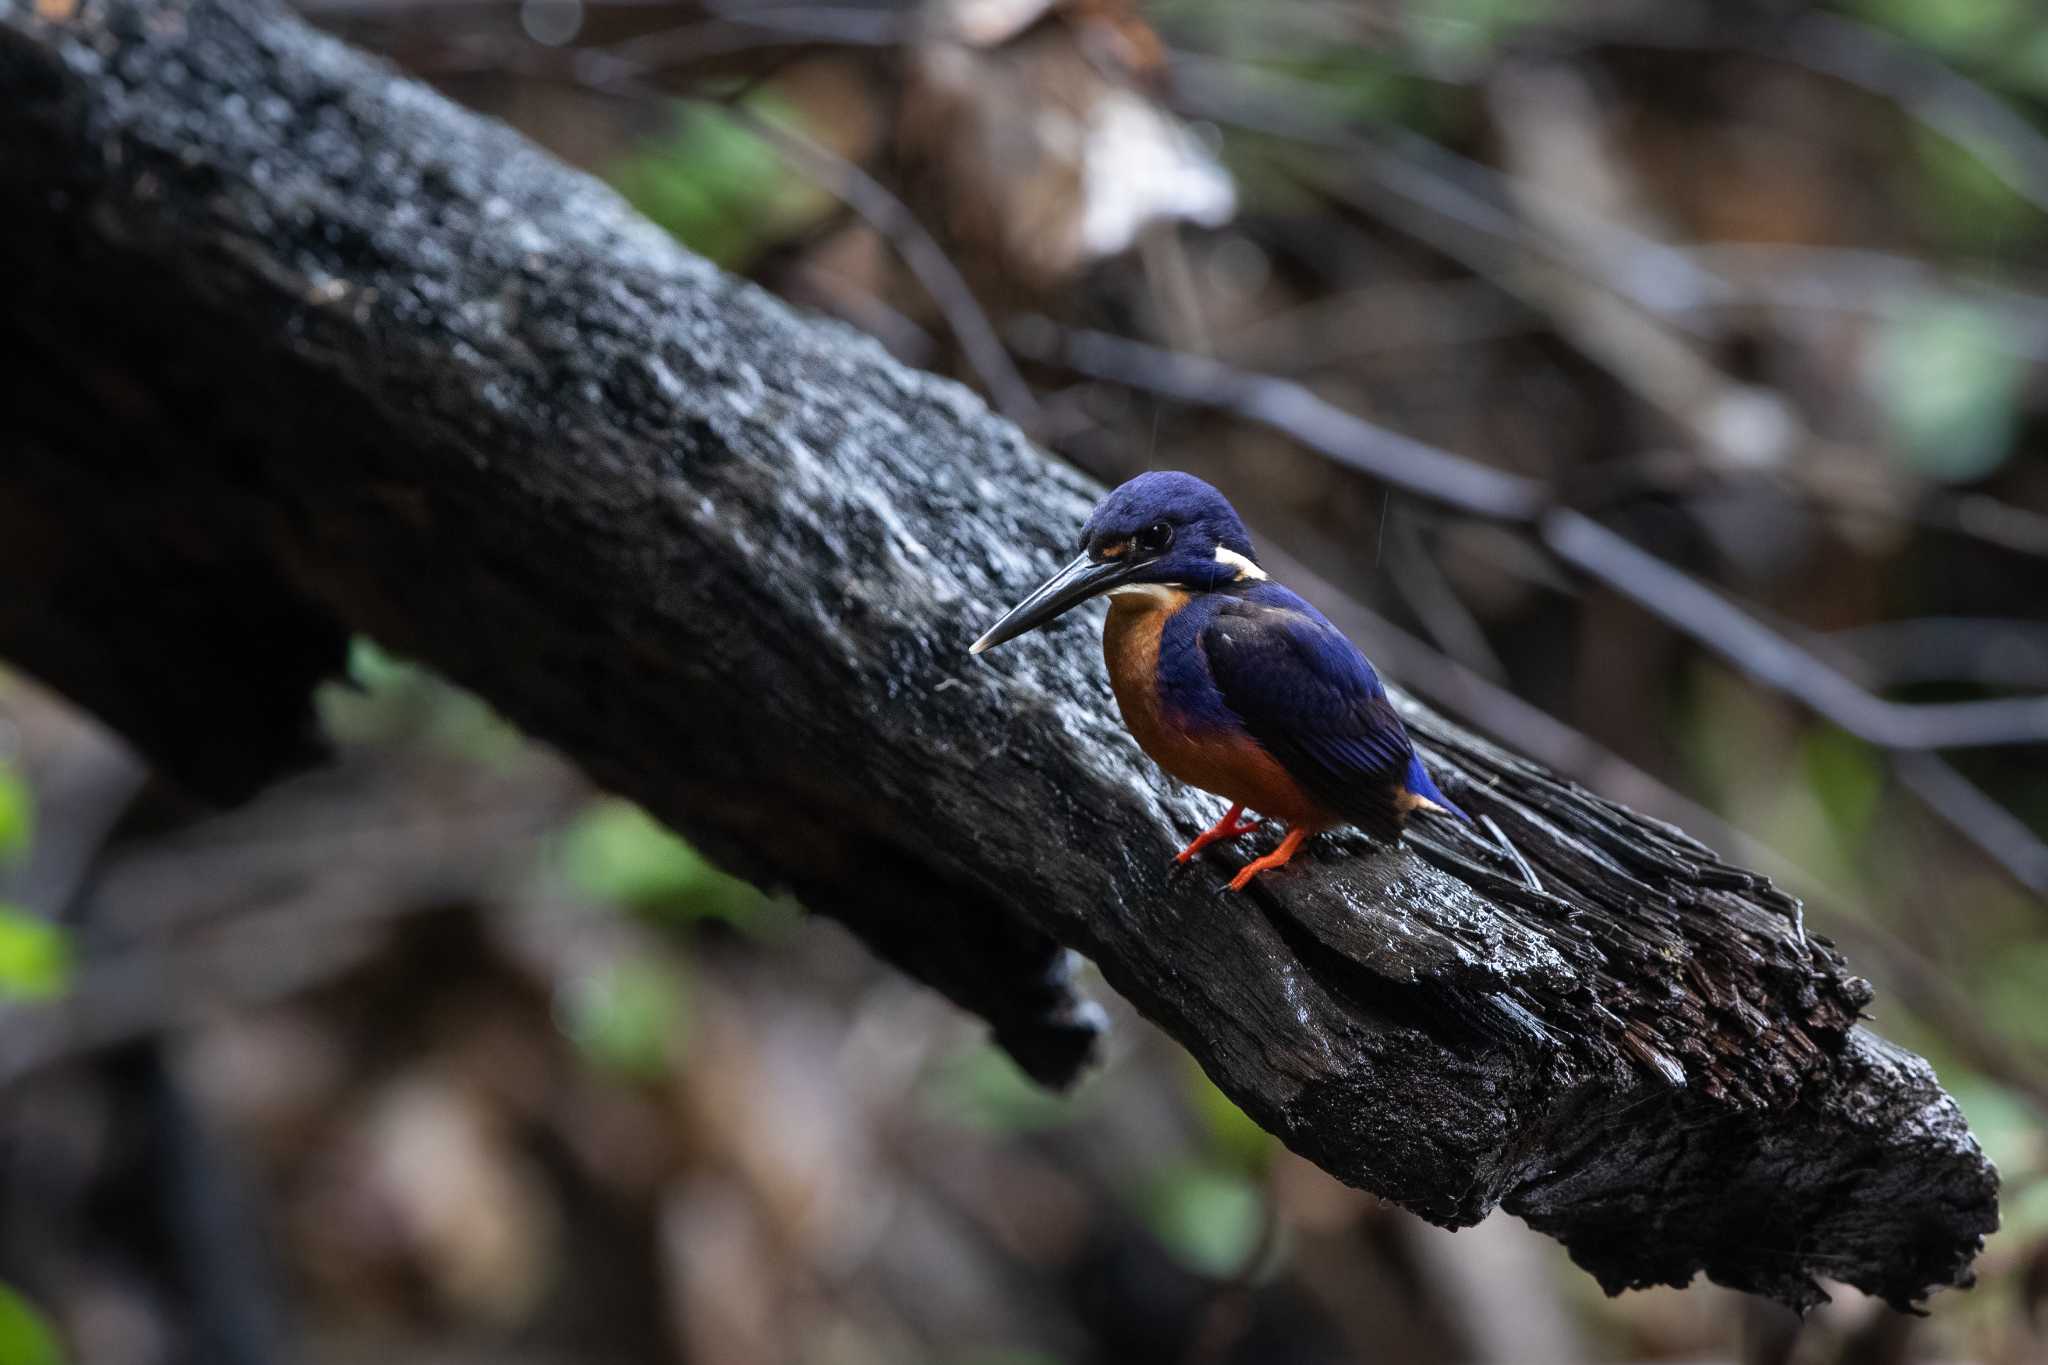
1679, 600
620, 69
1789, 277
1463, 211
866, 196
1965, 111
1451, 204
2010, 146
845, 25
935, 270
1397, 317
834, 25
1980, 650
1766, 655
1416, 575
1964, 807
1293, 410
1565, 181
691, 42
379, 9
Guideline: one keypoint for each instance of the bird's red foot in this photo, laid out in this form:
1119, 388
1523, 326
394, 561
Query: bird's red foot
1277, 858
1229, 827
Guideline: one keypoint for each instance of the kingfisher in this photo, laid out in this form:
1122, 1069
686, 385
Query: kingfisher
1229, 681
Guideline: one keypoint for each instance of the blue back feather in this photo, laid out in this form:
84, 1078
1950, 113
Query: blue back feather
1257, 659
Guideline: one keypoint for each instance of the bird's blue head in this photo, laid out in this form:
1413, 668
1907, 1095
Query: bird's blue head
1165, 529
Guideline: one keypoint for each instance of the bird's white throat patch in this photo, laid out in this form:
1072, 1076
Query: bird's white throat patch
1245, 568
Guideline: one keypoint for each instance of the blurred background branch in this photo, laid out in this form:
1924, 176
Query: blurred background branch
1734, 318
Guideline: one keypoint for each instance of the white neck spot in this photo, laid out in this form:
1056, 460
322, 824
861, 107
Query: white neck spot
1157, 592
1245, 568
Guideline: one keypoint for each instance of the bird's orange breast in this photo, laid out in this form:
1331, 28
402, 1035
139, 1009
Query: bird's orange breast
1233, 765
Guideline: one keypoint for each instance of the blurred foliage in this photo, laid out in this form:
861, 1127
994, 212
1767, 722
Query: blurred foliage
1954, 193
1208, 1210
1320, 81
2023, 1208
1455, 37
1236, 1141
1848, 777
1964, 30
35, 957
1949, 381
2014, 990
612, 850
17, 813
717, 187
978, 1086
617, 852
1341, 86
389, 701
628, 1019
1212, 1219
25, 1339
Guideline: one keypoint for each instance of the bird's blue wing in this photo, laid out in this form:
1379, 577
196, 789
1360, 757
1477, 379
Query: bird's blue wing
1312, 700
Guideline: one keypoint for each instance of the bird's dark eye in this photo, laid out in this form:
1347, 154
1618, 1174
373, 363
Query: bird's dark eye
1155, 537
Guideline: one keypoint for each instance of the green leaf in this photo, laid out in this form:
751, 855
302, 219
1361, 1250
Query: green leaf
25, 1337
2023, 1213
628, 1018
1233, 1136
718, 188
980, 1087
1949, 385
1461, 35
1956, 28
17, 814
1963, 192
1210, 1219
616, 851
371, 668
1342, 85
393, 702
2023, 64
35, 959
1848, 777
2009, 987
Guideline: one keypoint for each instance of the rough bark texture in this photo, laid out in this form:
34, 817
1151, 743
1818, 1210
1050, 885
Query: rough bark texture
296, 349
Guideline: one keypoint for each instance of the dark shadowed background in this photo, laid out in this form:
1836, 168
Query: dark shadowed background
438, 1055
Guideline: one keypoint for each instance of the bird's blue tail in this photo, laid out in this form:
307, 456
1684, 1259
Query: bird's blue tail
1420, 782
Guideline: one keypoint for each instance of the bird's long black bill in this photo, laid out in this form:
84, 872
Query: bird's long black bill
1069, 588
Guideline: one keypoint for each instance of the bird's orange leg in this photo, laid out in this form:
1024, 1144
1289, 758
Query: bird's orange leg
1229, 827
1277, 858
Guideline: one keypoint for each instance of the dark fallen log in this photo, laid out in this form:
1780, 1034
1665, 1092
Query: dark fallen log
297, 349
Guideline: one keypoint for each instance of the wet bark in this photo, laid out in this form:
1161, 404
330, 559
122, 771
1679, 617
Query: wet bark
297, 349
